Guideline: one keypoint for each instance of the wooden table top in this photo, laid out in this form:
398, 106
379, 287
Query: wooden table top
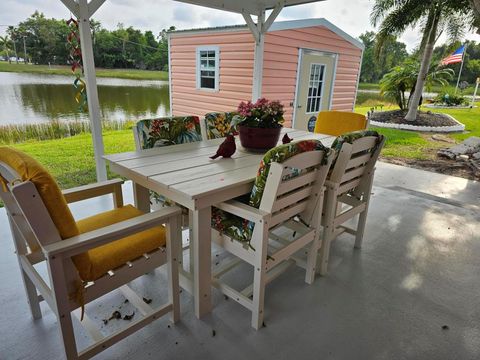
187, 170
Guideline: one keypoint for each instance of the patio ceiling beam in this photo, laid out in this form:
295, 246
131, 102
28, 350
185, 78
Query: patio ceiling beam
94, 5
71, 5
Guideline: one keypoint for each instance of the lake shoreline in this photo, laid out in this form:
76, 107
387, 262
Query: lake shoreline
132, 74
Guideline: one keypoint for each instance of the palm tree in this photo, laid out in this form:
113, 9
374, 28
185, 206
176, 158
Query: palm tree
433, 17
5, 44
402, 78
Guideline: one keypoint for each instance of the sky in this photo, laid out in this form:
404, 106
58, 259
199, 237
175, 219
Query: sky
351, 16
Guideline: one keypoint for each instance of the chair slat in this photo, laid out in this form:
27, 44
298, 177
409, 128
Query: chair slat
292, 198
352, 174
359, 160
348, 186
287, 213
304, 160
296, 182
363, 144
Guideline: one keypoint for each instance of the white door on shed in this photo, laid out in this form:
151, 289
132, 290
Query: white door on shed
314, 87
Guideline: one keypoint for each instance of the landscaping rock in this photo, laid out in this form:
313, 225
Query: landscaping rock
439, 137
468, 147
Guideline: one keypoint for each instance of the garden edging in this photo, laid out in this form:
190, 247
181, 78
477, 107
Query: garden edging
454, 128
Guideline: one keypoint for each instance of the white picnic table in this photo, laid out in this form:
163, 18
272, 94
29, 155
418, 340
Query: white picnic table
185, 174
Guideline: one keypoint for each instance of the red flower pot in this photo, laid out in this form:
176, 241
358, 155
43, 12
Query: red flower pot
259, 138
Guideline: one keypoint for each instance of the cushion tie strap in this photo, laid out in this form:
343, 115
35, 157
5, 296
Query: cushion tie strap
4, 183
79, 296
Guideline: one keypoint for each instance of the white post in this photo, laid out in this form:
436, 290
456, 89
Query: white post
92, 93
258, 31
475, 92
258, 59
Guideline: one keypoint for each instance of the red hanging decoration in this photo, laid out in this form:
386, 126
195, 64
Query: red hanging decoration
75, 57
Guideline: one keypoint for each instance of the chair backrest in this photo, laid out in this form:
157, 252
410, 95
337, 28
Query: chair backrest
150, 133
33, 196
290, 181
357, 153
217, 124
339, 122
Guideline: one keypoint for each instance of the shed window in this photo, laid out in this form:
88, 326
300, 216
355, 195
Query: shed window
315, 88
207, 68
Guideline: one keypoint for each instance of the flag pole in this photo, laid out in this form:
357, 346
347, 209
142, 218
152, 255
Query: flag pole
461, 66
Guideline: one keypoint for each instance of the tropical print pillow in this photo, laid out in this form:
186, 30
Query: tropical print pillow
241, 229
218, 124
164, 132
280, 154
168, 131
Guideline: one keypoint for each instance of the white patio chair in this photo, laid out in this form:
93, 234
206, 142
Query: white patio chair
289, 200
348, 188
89, 258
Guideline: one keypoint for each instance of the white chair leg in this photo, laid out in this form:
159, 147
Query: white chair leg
174, 237
259, 275
325, 249
311, 262
32, 296
362, 219
59, 288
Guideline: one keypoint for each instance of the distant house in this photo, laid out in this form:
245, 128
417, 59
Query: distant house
309, 65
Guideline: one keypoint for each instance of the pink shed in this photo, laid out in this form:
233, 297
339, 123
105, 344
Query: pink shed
309, 65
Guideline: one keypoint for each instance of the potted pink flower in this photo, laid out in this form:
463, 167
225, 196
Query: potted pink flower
259, 124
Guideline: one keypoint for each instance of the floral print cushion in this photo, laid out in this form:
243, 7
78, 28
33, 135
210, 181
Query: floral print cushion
231, 225
280, 154
241, 229
168, 131
164, 132
218, 124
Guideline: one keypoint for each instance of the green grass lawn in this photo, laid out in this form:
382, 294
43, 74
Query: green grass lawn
71, 159
65, 70
414, 145
437, 89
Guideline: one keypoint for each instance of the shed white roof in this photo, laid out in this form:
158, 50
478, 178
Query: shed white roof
253, 7
281, 25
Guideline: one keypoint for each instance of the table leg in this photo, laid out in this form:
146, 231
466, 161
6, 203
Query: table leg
141, 197
202, 260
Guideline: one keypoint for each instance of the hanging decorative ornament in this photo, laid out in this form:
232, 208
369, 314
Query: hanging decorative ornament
75, 57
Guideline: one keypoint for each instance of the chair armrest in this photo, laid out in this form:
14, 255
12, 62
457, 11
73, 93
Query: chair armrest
92, 239
89, 191
244, 211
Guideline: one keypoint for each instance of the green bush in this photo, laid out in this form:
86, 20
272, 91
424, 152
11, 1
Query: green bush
450, 99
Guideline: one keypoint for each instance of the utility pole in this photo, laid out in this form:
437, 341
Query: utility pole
24, 50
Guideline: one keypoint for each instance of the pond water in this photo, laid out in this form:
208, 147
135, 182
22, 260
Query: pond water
32, 98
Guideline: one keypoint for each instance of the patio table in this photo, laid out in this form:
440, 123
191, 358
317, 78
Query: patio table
185, 174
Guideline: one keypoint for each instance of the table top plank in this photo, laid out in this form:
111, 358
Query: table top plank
216, 167
187, 170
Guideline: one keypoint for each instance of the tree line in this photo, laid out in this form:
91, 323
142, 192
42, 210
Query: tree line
45, 41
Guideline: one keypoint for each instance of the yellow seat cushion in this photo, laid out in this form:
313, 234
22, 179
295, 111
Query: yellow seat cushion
339, 122
96, 262
30, 169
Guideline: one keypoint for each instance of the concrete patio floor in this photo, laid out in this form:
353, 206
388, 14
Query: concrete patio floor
417, 271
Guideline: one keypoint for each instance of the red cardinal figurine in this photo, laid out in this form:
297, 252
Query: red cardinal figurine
286, 139
226, 149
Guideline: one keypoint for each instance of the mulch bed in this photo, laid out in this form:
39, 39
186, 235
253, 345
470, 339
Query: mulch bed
424, 118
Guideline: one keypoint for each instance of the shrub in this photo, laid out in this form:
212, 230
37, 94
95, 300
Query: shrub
450, 99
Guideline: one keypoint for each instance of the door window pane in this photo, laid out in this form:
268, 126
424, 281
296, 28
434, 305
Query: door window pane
315, 86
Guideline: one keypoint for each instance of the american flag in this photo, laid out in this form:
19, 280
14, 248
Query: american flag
456, 57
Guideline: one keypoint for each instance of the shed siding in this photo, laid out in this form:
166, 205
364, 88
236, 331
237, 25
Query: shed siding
281, 61
236, 69
236, 72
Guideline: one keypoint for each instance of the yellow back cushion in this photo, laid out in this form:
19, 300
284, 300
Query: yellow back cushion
339, 122
30, 169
